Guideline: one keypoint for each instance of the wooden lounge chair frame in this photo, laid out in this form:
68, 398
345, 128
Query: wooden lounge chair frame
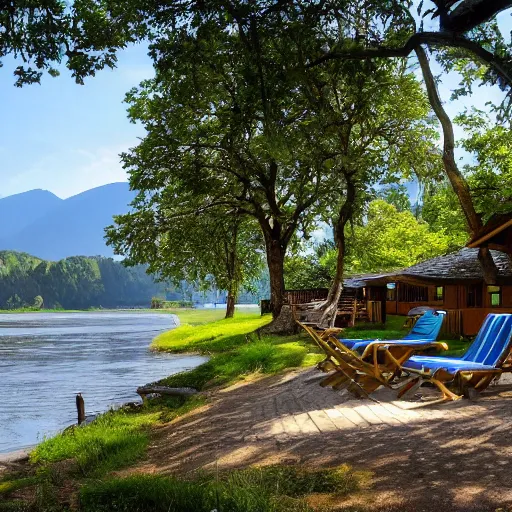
466, 383
463, 382
379, 365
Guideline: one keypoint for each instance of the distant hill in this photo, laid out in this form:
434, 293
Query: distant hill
57, 228
73, 283
19, 211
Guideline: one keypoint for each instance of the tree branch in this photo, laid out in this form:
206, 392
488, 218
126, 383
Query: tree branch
444, 39
471, 13
457, 180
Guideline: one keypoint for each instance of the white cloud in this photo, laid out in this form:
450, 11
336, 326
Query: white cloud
70, 171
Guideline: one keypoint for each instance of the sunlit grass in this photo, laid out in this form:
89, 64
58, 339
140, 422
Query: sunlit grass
393, 329
216, 336
115, 439
236, 350
267, 489
193, 316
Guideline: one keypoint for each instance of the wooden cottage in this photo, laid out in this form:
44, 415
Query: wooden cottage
468, 284
455, 283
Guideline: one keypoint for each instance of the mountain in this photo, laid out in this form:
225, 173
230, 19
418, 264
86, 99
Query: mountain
19, 211
73, 226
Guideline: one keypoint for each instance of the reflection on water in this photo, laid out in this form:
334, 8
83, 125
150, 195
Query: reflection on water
45, 359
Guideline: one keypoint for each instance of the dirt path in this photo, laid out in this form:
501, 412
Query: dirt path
455, 456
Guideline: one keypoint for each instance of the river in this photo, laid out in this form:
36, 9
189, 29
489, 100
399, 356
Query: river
45, 359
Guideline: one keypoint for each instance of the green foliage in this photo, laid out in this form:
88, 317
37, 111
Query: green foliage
215, 249
392, 239
442, 212
490, 177
83, 33
396, 195
387, 240
307, 271
158, 303
38, 302
73, 283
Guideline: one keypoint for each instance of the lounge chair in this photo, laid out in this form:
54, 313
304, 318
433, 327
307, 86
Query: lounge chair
487, 358
425, 329
361, 373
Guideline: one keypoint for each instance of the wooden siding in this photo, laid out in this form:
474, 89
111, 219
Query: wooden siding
450, 297
462, 319
506, 296
391, 307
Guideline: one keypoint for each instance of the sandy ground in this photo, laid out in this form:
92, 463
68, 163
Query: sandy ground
455, 456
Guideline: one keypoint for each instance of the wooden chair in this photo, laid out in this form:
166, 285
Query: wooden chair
487, 358
379, 364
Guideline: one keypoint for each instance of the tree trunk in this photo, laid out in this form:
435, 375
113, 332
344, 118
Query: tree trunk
488, 266
471, 13
283, 321
330, 306
275, 260
457, 180
230, 306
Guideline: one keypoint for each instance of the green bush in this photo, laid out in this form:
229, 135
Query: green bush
158, 303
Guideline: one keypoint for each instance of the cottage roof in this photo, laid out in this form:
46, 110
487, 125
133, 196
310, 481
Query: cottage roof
461, 266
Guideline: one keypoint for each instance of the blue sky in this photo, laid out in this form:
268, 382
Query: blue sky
66, 138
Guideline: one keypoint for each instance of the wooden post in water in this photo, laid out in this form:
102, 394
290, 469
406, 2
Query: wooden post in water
80, 408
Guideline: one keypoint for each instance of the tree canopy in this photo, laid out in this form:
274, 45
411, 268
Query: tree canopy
219, 249
84, 34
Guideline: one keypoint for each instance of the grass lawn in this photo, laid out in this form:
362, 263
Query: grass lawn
200, 333
199, 316
235, 350
266, 489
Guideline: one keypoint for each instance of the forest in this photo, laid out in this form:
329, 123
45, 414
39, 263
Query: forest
73, 283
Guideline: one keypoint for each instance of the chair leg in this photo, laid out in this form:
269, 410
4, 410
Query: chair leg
334, 379
326, 365
447, 394
409, 387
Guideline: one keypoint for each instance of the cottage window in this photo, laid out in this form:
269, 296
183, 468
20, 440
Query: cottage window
391, 291
410, 293
474, 296
495, 295
439, 293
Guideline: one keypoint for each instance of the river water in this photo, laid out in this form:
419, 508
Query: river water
45, 359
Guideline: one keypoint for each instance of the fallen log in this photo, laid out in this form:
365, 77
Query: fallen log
163, 390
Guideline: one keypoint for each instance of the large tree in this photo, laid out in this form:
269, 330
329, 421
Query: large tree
467, 39
375, 129
229, 126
